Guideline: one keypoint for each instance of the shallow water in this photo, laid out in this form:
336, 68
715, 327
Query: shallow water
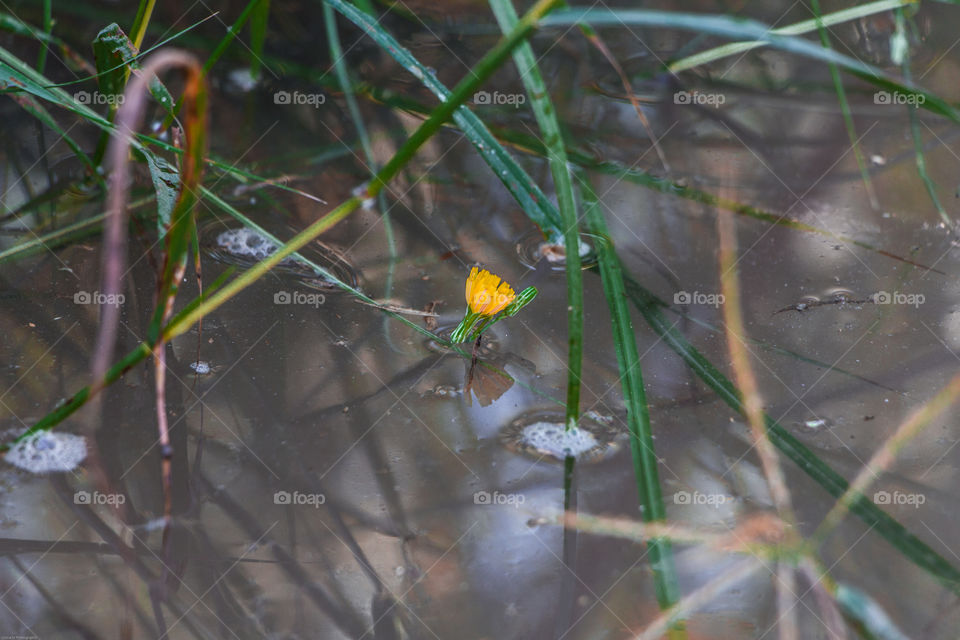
332, 477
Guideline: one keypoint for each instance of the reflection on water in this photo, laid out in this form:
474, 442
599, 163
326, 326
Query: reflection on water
332, 478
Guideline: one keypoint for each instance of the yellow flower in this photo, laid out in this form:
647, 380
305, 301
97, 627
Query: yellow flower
487, 294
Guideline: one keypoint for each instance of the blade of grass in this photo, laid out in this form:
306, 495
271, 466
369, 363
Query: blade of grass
258, 36
141, 21
638, 417
799, 28
47, 28
545, 114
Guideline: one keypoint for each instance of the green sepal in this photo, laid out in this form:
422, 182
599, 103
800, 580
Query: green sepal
523, 298
466, 329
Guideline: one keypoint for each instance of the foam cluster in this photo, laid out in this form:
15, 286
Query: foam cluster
551, 438
48, 452
246, 242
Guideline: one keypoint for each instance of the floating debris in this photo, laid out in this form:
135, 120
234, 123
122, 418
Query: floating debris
48, 452
532, 249
543, 435
835, 297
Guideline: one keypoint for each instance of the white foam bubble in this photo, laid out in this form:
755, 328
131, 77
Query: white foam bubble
201, 367
246, 242
47, 451
551, 438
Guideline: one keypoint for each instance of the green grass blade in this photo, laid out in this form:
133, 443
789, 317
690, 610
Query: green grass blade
638, 417
47, 28
545, 113
258, 36
807, 26
142, 21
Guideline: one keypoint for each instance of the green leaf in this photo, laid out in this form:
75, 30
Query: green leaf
166, 184
114, 54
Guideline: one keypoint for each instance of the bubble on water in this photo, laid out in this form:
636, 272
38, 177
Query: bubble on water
246, 243
543, 435
241, 80
201, 367
47, 452
555, 440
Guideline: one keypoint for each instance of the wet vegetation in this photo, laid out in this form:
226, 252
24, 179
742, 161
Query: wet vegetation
254, 263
